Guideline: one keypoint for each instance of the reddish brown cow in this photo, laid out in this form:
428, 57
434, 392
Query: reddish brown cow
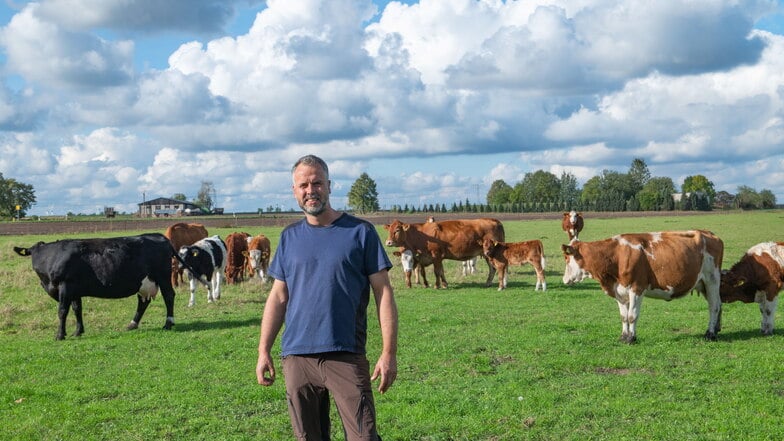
503, 254
236, 247
757, 277
180, 235
572, 223
665, 265
258, 255
449, 239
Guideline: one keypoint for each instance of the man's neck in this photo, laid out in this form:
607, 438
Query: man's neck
324, 219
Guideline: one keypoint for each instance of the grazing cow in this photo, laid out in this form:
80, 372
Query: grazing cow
449, 239
664, 265
181, 234
236, 250
206, 262
409, 262
503, 254
757, 277
105, 268
469, 266
572, 223
258, 255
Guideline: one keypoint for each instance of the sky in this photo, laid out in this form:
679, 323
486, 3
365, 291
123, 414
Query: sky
109, 103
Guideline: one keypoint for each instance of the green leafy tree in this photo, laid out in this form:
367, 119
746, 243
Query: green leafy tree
363, 197
179, 197
13, 193
568, 191
639, 175
539, 186
747, 198
656, 195
697, 184
500, 192
592, 190
767, 199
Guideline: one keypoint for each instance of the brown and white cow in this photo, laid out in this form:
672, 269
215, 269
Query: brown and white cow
664, 265
503, 254
182, 234
236, 248
411, 265
258, 255
449, 239
757, 277
572, 223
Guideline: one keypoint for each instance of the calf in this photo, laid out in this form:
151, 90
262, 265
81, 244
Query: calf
757, 277
236, 250
411, 263
665, 265
572, 223
105, 268
205, 261
503, 254
181, 234
258, 255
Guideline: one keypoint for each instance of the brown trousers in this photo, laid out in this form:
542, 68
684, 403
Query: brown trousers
310, 379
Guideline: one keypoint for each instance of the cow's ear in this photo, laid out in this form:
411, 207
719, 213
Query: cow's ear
406, 227
567, 249
740, 282
495, 243
194, 252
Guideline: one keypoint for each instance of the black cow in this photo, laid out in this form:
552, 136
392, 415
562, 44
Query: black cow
206, 263
106, 268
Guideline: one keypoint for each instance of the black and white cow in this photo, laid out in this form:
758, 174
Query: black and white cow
106, 268
205, 261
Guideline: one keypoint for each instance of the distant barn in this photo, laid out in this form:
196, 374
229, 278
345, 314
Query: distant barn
164, 207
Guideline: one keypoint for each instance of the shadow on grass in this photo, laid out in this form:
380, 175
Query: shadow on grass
199, 325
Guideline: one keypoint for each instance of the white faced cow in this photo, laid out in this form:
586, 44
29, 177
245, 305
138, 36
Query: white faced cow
757, 277
205, 261
572, 223
664, 265
106, 268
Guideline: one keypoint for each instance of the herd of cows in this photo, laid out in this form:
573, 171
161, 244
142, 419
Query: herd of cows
665, 265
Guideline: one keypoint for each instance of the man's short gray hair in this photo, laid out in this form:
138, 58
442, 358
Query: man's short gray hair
311, 160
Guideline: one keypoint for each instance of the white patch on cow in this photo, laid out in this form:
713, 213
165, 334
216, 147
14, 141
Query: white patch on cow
469, 266
148, 290
573, 217
772, 249
636, 246
573, 273
407, 260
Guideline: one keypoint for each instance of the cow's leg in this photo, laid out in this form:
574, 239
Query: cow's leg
502, 275
438, 269
63, 303
407, 275
540, 282
768, 311
76, 305
141, 306
629, 307
192, 284
491, 272
714, 305
420, 273
175, 274
168, 294
216, 286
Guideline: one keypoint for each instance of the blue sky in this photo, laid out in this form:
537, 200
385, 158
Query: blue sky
434, 99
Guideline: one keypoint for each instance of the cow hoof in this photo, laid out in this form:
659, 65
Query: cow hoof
132, 326
59, 337
628, 339
168, 326
711, 336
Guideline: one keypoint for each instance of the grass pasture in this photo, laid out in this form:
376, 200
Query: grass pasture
474, 363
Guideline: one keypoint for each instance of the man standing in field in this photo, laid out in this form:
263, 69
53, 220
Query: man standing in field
324, 268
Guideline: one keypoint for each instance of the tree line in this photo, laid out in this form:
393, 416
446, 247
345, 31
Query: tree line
542, 191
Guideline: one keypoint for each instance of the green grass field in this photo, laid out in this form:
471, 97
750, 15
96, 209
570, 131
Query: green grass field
475, 363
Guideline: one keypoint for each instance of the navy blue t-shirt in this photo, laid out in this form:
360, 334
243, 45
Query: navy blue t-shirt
326, 271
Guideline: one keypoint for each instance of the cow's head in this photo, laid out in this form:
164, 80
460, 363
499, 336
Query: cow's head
734, 287
397, 233
406, 259
571, 217
574, 271
488, 246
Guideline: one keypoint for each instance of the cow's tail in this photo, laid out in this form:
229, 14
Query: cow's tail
22, 251
541, 253
176, 255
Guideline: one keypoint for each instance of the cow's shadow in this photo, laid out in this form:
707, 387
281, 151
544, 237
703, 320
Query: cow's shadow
200, 325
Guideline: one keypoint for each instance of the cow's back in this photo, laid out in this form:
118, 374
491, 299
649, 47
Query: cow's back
462, 238
103, 267
181, 234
